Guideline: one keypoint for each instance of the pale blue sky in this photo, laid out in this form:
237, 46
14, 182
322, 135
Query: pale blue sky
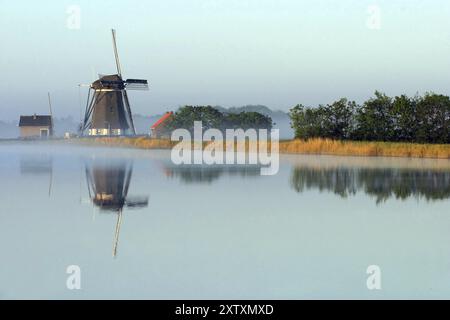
222, 52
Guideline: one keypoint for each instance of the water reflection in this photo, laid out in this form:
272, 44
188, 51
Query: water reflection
258, 240
208, 174
38, 165
381, 183
108, 182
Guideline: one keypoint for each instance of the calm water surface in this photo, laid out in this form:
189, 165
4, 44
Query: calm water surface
140, 227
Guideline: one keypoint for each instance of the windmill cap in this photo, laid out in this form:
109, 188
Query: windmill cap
113, 81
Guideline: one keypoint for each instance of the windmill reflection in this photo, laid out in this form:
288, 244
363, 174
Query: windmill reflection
108, 183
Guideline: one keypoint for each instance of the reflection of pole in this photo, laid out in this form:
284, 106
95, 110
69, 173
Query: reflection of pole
116, 235
90, 185
50, 184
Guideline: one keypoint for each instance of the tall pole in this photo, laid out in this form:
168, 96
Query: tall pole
51, 113
119, 70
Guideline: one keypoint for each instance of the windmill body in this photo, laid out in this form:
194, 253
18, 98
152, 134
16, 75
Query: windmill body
108, 111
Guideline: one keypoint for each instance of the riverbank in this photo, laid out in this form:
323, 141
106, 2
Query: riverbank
365, 148
312, 146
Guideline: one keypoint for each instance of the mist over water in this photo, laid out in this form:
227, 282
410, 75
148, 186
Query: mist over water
141, 227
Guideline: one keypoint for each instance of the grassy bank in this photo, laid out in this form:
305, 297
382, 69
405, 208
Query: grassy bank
312, 146
363, 148
139, 142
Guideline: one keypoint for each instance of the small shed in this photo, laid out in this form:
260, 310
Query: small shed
36, 126
159, 128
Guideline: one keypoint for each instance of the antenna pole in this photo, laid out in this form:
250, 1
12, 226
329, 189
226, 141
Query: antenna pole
51, 113
50, 104
119, 70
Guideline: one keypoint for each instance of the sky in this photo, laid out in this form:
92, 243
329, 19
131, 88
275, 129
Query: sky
221, 52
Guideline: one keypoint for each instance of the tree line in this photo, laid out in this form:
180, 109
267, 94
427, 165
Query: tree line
213, 118
421, 119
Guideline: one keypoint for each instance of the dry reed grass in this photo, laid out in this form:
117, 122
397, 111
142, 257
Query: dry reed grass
312, 146
364, 148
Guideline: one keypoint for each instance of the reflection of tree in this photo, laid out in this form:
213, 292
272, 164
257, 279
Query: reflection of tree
381, 183
207, 174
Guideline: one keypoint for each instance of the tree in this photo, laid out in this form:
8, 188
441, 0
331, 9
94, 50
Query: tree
247, 120
308, 122
404, 113
433, 118
339, 119
297, 115
185, 117
374, 119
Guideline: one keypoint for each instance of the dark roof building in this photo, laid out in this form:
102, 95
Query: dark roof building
36, 126
35, 120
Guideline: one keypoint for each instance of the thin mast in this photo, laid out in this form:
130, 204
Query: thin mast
50, 103
51, 113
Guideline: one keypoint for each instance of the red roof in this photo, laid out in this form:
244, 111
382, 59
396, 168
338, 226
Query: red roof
166, 116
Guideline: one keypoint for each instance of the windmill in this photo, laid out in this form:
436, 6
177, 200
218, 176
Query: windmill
108, 109
108, 184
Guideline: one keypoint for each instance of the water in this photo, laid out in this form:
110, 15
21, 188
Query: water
141, 227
